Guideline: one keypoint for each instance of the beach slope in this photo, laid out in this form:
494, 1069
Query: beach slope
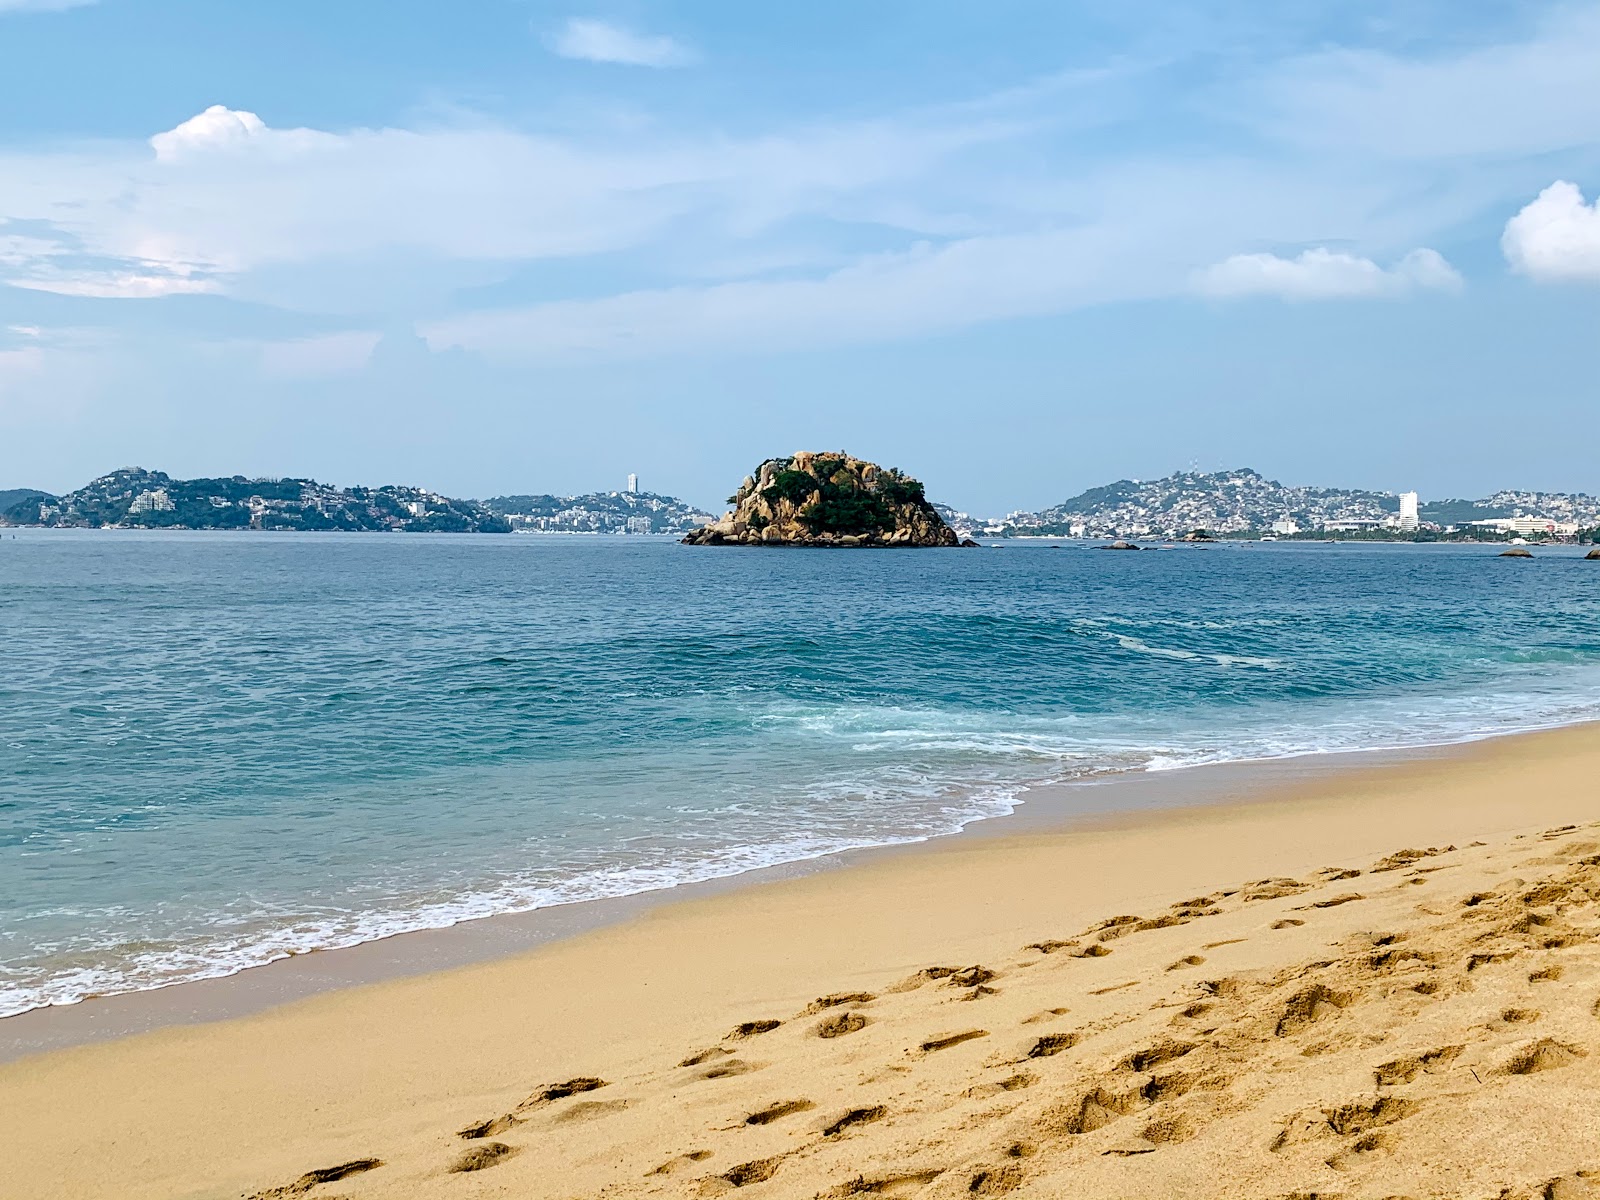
1386, 984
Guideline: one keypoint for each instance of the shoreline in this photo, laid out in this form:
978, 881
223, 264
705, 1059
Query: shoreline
1048, 807
1093, 801
1444, 906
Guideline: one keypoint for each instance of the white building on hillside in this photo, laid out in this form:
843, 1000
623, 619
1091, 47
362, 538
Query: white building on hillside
633, 483
1408, 511
153, 501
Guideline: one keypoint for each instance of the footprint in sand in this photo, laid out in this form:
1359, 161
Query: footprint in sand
560, 1091
823, 1003
321, 1175
590, 1110
1049, 1014
776, 1112
952, 1039
758, 1171
1310, 1005
839, 1026
1012, 1083
884, 1185
480, 1158
1546, 1054
674, 1165
1052, 1044
1188, 960
750, 1029
489, 1128
701, 1057
995, 1181
728, 1069
1404, 1070
856, 1116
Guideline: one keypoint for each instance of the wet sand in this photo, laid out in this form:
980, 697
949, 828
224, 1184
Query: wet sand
1376, 982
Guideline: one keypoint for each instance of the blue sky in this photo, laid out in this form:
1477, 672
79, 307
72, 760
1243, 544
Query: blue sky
1015, 248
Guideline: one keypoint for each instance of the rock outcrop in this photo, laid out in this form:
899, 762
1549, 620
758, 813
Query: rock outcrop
1593, 555
822, 499
1516, 552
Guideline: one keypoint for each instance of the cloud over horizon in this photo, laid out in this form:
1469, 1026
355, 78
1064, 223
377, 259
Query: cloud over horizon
597, 41
1323, 274
1555, 237
786, 232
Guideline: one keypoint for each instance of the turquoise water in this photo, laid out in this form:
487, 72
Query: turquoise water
219, 749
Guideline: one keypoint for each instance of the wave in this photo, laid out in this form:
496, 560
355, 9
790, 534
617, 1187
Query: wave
942, 769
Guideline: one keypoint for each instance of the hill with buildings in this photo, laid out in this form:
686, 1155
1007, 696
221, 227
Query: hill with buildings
134, 498
1245, 502
599, 512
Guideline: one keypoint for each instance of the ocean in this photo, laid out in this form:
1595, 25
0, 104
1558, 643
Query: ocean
220, 749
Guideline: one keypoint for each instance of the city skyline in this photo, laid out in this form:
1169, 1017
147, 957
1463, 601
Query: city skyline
1015, 252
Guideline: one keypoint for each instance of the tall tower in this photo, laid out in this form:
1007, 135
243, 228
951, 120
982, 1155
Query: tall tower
1408, 510
633, 482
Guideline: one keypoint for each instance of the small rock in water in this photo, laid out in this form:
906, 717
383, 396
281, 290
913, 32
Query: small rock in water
1119, 545
1516, 552
1593, 555
816, 499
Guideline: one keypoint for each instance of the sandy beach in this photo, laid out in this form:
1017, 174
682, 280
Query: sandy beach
1385, 983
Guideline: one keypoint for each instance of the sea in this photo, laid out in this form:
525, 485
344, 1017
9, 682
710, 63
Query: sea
221, 749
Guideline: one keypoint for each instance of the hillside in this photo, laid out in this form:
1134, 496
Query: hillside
134, 498
599, 512
1243, 500
10, 497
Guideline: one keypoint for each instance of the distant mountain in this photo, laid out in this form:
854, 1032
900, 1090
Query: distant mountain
1243, 500
599, 512
13, 496
134, 498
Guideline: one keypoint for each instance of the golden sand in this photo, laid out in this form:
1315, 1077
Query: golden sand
1382, 985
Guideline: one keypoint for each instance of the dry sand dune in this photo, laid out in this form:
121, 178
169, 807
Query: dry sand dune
1425, 1025
1404, 1002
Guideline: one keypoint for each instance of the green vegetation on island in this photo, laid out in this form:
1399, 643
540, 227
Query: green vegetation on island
815, 499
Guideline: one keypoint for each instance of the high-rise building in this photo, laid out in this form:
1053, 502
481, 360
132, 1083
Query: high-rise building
633, 482
1408, 510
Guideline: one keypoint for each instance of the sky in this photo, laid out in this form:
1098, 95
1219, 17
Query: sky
1016, 248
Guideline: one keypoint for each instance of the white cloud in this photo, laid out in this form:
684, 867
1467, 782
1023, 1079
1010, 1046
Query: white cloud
156, 281
1556, 236
603, 42
797, 234
220, 129
1513, 97
1323, 274
228, 198
925, 289
217, 128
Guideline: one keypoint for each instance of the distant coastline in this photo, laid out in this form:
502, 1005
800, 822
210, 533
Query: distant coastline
1187, 506
135, 498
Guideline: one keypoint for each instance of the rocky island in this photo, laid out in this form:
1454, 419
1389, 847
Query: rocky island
827, 499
